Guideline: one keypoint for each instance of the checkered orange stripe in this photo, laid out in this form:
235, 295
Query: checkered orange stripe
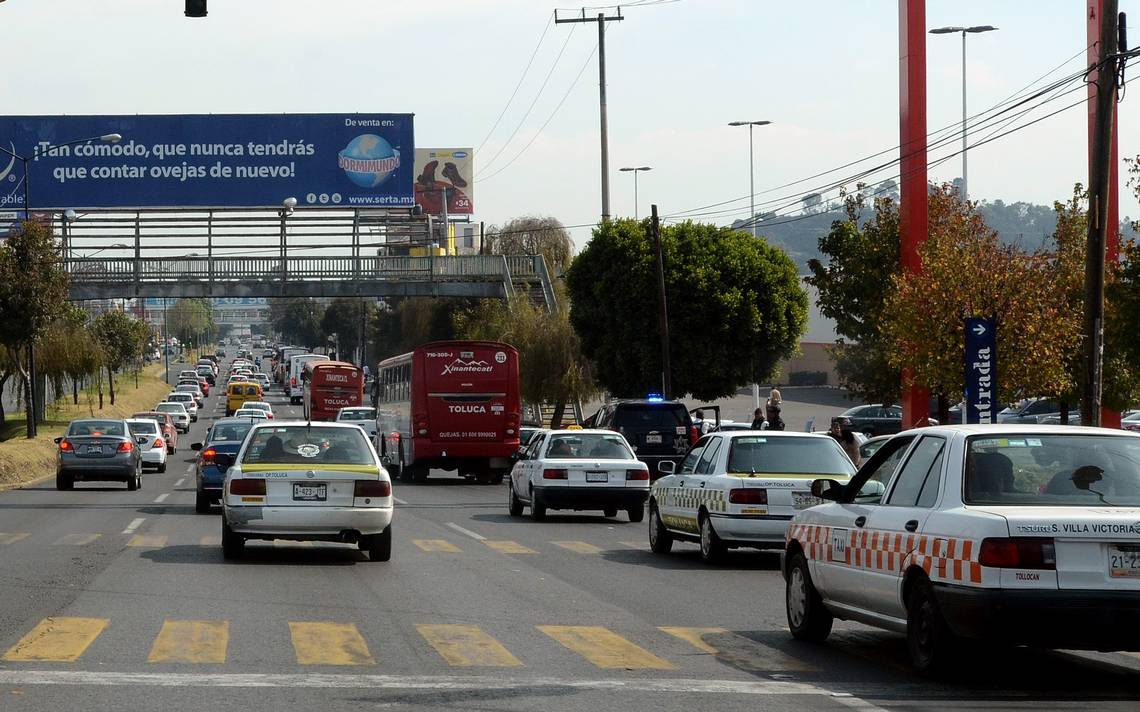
942, 558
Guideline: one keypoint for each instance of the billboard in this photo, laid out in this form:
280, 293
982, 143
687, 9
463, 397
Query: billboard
209, 160
449, 171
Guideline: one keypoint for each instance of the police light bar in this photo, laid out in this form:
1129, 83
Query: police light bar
655, 398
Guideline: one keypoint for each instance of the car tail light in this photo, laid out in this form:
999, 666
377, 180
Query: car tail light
208, 454
694, 435
158, 443
66, 446
126, 446
372, 488
247, 487
748, 495
637, 474
555, 474
292, 381
421, 425
1018, 553
512, 423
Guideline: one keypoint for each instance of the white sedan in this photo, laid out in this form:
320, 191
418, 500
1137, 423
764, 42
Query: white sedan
740, 488
258, 405
578, 469
306, 482
363, 416
1003, 534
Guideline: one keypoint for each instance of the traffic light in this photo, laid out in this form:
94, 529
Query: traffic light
195, 8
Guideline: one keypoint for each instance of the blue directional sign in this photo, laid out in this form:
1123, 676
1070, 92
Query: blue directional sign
208, 160
981, 370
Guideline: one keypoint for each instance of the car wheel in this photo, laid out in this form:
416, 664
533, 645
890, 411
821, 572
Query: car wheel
170, 450
64, 481
537, 508
133, 482
712, 548
609, 512
233, 544
378, 546
497, 478
636, 513
660, 538
162, 467
201, 503
807, 618
928, 638
514, 504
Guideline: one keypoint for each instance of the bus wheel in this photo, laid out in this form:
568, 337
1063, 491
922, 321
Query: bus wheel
497, 477
419, 473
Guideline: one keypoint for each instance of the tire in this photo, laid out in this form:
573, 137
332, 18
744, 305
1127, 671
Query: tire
170, 449
609, 512
660, 538
929, 641
712, 548
636, 513
233, 544
162, 467
202, 503
133, 482
64, 481
514, 504
808, 620
497, 478
537, 508
378, 546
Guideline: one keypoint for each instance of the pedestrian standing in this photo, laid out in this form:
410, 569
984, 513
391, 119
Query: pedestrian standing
773, 408
759, 422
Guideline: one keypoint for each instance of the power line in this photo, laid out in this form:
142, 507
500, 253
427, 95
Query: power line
526, 69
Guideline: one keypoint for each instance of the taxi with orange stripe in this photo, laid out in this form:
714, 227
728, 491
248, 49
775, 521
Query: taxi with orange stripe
1007, 534
740, 489
305, 481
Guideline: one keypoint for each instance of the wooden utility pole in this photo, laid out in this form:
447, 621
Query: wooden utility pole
666, 369
1100, 176
601, 19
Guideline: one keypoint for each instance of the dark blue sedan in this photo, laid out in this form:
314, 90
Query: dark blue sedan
225, 436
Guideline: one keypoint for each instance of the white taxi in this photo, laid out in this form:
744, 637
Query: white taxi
740, 488
1011, 534
306, 482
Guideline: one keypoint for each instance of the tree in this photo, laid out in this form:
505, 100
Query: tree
736, 308
533, 235
344, 318
298, 319
861, 260
118, 338
33, 290
812, 203
414, 321
191, 319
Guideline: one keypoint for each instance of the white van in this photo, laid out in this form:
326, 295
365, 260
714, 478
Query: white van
293, 386
281, 375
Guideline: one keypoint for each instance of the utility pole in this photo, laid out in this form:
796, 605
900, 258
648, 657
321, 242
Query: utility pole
1100, 171
601, 19
666, 369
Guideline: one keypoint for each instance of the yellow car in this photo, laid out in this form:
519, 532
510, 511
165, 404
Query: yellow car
239, 393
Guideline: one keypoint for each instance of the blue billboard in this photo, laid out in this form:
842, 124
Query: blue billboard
209, 160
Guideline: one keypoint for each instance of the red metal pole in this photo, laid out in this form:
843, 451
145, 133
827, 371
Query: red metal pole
913, 218
1109, 418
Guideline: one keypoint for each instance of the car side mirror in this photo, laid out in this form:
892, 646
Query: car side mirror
827, 489
519, 454
58, 440
195, 446
224, 460
666, 467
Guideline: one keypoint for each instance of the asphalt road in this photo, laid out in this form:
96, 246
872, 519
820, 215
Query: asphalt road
121, 600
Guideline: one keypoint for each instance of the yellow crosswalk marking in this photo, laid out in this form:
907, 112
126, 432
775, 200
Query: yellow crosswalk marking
328, 644
743, 652
578, 547
76, 539
210, 541
57, 639
437, 545
12, 538
604, 648
509, 547
147, 541
191, 642
467, 645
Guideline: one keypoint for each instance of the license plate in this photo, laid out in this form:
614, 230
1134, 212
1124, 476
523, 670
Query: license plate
653, 439
94, 450
309, 493
597, 477
803, 500
1123, 563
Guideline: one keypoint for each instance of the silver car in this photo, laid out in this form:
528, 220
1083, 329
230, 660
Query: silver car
97, 450
178, 412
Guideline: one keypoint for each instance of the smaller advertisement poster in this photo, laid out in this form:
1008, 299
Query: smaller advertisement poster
444, 172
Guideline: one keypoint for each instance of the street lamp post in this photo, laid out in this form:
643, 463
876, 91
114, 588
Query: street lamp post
32, 409
635, 172
751, 173
976, 29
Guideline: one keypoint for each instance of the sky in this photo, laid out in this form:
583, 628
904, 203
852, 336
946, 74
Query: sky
825, 74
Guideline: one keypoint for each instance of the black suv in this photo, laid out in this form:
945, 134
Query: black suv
658, 430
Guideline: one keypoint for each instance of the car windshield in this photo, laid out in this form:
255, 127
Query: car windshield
171, 408
1042, 469
657, 417
788, 455
580, 446
358, 414
310, 446
148, 428
229, 431
97, 427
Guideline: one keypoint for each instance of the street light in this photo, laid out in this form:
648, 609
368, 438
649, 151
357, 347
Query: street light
635, 172
976, 29
110, 138
751, 173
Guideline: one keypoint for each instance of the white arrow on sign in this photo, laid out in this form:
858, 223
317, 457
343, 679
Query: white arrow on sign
979, 329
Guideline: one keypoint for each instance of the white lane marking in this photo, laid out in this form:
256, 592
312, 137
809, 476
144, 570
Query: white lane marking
846, 699
179, 482
399, 501
189, 468
135, 524
161, 498
402, 682
467, 532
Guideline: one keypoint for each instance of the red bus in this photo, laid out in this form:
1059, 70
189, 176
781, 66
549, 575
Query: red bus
450, 405
330, 386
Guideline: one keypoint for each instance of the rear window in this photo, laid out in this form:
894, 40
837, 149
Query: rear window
171, 408
1053, 470
97, 427
148, 428
361, 414
308, 446
252, 390
588, 446
788, 455
652, 417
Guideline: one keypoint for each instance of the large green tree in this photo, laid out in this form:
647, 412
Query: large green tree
344, 318
191, 319
413, 321
736, 308
298, 320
